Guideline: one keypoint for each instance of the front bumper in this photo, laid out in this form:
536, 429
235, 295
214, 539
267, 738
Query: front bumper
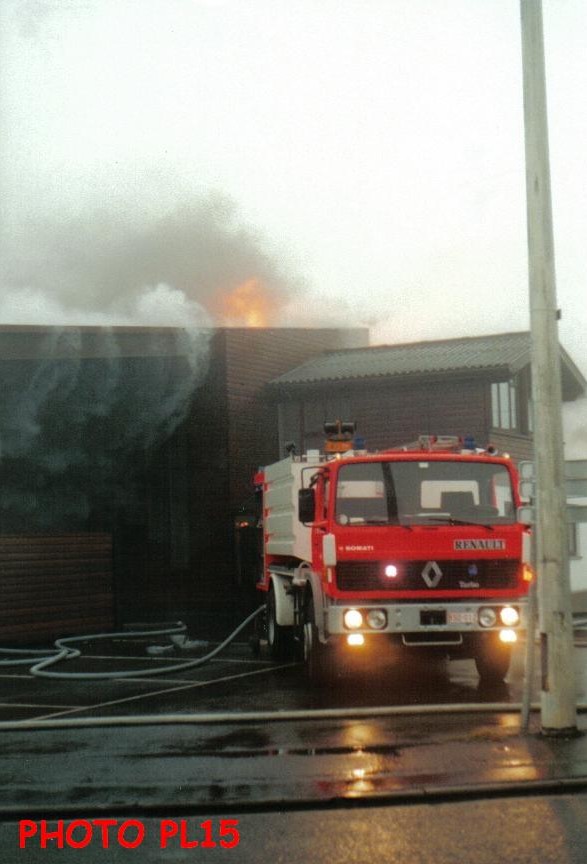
424, 617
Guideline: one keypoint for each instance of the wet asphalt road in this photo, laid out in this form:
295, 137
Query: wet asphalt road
429, 775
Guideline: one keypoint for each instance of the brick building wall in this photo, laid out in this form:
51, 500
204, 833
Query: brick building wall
398, 413
390, 413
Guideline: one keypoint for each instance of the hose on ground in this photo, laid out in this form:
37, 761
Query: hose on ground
245, 717
63, 651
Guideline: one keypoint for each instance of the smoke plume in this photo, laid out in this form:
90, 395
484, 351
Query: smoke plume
109, 266
82, 408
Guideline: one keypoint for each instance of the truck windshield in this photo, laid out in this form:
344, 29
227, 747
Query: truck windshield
424, 492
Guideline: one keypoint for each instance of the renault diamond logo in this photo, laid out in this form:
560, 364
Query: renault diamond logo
432, 574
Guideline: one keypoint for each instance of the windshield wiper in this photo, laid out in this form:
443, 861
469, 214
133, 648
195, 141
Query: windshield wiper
387, 522
450, 520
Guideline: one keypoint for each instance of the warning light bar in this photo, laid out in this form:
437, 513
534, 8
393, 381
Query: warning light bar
447, 444
434, 442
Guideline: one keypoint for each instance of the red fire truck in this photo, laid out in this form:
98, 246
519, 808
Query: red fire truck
417, 547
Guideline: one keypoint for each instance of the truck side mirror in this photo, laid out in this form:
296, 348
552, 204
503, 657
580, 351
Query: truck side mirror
306, 505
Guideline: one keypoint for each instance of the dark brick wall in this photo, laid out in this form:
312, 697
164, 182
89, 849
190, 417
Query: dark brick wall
388, 415
54, 585
177, 550
392, 415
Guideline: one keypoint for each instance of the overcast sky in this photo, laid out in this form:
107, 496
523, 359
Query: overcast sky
360, 161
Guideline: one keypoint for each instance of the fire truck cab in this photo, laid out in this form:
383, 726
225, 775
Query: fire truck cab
416, 547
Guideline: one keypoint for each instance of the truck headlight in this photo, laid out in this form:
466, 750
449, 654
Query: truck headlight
353, 619
509, 616
487, 616
376, 619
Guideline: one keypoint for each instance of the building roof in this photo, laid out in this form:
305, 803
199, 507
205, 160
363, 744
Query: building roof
504, 354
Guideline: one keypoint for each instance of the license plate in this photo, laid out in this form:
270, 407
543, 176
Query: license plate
460, 618
432, 617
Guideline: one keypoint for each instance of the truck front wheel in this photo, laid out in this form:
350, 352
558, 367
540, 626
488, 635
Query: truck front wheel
492, 658
279, 638
317, 655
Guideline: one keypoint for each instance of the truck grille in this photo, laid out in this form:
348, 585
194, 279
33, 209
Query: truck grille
457, 575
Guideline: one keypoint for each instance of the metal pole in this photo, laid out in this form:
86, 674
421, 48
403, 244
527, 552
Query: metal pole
558, 693
529, 656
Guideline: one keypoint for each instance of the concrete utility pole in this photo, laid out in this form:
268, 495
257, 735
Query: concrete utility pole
558, 694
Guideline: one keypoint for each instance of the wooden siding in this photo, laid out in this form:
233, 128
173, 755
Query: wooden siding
396, 414
54, 586
390, 413
519, 447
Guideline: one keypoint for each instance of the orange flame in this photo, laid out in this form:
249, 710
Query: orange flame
249, 304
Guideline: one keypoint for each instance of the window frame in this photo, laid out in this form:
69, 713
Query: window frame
505, 413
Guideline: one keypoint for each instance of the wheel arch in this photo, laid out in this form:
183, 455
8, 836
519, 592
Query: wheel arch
284, 602
313, 589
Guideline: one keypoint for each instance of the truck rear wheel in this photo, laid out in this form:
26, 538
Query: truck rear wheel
492, 658
317, 655
279, 638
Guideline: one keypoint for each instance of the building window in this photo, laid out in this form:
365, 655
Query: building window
573, 541
504, 405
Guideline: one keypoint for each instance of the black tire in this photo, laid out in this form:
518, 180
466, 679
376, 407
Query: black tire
279, 638
318, 660
492, 658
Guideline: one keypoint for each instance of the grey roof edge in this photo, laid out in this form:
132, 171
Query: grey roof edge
421, 343
573, 369
511, 367
312, 359
277, 384
522, 359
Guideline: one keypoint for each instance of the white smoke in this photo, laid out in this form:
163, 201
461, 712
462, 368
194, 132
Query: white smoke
156, 306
